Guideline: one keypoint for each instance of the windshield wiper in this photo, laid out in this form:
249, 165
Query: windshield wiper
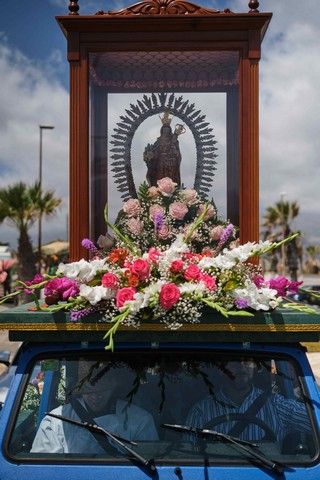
120, 441
243, 445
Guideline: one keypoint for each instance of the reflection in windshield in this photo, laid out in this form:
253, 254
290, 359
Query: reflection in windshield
252, 398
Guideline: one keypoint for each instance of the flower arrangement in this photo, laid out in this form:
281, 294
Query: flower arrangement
171, 256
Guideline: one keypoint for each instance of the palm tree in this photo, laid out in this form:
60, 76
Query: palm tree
277, 222
278, 218
21, 206
312, 263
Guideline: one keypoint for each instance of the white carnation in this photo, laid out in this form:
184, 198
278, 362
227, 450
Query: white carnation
95, 294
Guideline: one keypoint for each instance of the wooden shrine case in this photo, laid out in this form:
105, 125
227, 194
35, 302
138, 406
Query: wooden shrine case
157, 62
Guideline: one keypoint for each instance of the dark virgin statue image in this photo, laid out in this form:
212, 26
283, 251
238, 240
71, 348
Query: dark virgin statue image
163, 158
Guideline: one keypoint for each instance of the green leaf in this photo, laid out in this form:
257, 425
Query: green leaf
300, 307
117, 320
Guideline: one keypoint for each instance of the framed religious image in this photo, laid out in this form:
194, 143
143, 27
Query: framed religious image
163, 92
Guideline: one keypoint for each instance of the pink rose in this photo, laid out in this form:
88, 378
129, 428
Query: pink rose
156, 210
141, 268
216, 232
210, 211
132, 207
166, 186
192, 272
153, 254
164, 232
134, 226
189, 196
110, 280
124, 295
210, 282
153, 192
178, 210
176, 266
169, 295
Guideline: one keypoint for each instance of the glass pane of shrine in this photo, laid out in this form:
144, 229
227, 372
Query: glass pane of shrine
163, 113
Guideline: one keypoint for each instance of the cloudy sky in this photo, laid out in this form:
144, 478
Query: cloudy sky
34, 90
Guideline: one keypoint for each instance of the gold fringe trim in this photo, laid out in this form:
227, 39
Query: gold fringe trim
154, 327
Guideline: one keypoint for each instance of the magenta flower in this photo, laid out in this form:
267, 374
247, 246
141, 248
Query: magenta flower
38, 278
283, 285
259, 281
280, 284
62, 288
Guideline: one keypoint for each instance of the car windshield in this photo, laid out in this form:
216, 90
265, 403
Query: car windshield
159, 403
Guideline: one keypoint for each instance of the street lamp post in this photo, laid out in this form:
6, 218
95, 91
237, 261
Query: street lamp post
41, 128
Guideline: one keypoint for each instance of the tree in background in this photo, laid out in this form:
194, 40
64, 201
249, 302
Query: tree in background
312, 264
21, 206
278, 225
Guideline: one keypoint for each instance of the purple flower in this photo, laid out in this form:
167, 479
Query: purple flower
226, 234
62, 287
241, 303
89, 245
76, 315
158, 220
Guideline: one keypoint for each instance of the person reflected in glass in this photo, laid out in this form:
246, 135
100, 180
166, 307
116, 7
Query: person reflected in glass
98, 401
241, 409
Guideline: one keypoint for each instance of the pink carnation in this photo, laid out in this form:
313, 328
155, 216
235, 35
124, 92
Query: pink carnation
124, 295
110, 280
141, 268
192, 272
178, 210
132, 207
169, 295
166, 186
210, 282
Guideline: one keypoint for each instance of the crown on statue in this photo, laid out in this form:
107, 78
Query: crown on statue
166, 119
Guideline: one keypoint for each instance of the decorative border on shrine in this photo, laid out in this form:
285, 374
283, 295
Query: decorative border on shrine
138, 113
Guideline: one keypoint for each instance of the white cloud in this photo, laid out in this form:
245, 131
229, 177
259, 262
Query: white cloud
29, 96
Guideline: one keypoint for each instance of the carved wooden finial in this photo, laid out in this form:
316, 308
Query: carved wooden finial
162, 7
73, 7
253, 5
